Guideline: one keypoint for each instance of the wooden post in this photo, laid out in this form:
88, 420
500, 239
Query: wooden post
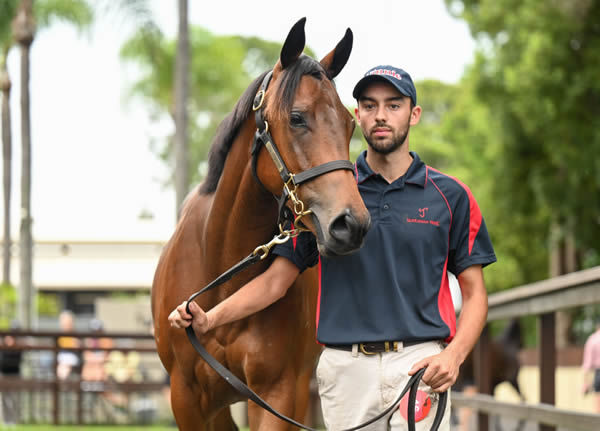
483, 377
79, 402
547, 362
55, 393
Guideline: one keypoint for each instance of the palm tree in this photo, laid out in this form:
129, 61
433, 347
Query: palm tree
25, 16
24, 31
181, 85
221, 67
7, 11
24, 26
5, 85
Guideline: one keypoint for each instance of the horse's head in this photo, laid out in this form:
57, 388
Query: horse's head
310, 127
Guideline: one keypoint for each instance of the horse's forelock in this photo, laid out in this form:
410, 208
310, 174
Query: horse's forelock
286, 93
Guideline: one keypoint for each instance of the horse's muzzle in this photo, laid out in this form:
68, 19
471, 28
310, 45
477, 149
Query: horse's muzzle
346, 233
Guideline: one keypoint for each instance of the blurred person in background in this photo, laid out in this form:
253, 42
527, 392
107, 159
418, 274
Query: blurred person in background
94, 360
68, 361
10, 366
591, 365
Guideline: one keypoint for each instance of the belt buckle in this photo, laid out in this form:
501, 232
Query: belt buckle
365, 351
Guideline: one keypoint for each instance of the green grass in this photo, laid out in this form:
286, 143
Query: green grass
89, 428
85, 428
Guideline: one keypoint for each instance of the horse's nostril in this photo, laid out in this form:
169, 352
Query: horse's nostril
345, 228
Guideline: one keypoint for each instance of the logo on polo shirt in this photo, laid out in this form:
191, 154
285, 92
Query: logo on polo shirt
421, 220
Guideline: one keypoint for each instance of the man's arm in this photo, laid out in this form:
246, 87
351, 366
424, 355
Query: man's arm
442, 369
257, 294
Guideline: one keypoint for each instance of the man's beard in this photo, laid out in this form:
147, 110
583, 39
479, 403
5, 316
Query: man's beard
380, 147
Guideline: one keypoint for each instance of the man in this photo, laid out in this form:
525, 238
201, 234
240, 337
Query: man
385, 311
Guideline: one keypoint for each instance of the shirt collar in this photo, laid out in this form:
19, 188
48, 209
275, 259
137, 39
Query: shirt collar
416, 174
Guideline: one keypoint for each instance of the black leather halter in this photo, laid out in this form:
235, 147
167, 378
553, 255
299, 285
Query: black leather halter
263, 137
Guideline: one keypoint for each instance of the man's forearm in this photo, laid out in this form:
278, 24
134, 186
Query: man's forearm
256, 295
470, 324
473, 314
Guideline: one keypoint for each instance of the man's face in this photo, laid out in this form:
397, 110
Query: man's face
385, 117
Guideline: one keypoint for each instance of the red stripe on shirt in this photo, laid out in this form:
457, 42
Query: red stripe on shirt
445, 304
474, 217
474, 211
447, 204
318, 298
294, 239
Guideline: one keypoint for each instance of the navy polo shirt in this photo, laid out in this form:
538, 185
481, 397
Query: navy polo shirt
396, 286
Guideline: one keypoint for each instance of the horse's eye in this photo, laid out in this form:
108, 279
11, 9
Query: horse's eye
297, 120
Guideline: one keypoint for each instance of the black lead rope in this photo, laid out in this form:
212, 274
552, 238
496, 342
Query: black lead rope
243, 389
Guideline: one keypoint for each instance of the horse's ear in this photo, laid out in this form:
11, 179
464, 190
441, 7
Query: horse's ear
293, 45
335, 61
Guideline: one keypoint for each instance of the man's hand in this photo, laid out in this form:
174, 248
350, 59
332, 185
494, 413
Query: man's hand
441, 372
179, 318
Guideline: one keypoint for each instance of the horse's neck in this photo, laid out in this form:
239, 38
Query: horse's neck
241, 208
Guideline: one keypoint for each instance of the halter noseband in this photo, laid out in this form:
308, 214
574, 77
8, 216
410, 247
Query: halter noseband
291, 181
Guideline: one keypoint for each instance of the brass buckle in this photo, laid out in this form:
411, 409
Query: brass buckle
363, 350
258, 103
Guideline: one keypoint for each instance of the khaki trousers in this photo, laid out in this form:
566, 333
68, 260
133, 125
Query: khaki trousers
355, 387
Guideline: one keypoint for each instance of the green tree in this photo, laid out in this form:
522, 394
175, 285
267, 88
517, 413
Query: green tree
537, 70
221, 68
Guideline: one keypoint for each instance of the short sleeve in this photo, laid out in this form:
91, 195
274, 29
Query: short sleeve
470, 243
302, 250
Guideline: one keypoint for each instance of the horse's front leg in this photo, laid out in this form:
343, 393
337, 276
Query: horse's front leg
185, 404
281, 395
193, 412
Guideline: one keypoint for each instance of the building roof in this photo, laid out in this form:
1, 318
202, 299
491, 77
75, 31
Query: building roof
91, 265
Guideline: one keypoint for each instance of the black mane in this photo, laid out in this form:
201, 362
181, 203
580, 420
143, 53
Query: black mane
231, 124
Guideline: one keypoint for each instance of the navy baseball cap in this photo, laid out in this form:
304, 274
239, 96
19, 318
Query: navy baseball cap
395, 76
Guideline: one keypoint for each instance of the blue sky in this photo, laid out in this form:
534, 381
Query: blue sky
93, 170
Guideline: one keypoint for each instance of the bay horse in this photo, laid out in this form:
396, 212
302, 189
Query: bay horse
232, 212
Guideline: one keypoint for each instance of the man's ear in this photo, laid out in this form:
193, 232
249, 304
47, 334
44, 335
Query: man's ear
415, 115
357, 115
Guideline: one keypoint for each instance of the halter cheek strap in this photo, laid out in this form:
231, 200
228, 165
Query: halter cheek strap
263, 137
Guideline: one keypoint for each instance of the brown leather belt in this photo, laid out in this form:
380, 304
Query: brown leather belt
375, 347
